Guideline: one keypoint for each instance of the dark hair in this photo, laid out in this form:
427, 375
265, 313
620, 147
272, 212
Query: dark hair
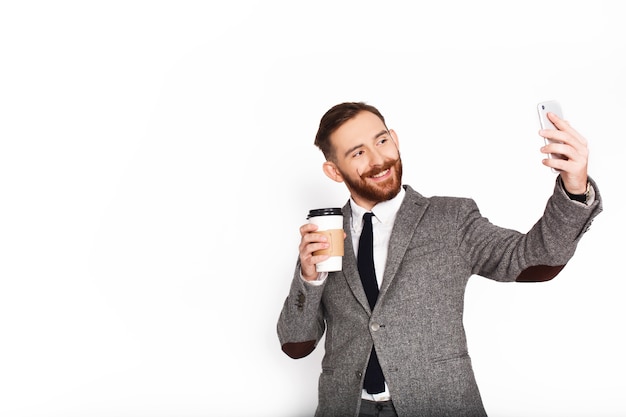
334, 118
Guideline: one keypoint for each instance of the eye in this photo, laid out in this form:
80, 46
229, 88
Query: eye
357, 153
383, 140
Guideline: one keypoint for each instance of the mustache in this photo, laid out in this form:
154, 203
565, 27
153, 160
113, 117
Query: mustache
377, 170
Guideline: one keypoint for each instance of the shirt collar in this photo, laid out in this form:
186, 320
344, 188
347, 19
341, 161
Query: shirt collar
384, 212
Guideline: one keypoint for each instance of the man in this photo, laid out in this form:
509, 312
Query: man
403, 352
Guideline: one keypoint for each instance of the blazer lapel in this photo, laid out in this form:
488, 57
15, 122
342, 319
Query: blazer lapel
407, 219
350, 269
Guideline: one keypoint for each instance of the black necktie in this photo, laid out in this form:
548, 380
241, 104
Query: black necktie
374, 379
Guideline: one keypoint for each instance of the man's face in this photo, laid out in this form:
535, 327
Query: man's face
367, 160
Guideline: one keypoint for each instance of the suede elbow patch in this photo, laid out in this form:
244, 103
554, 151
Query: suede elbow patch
539, 273
298, 350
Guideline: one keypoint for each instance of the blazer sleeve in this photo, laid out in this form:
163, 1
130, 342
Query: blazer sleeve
301, 322
539, 255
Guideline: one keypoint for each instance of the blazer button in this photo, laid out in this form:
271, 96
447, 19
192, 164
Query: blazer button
374, 327
358, 374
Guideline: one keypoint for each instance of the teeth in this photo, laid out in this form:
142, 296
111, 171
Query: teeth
380, 174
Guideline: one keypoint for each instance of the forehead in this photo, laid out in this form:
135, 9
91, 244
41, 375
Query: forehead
362, 128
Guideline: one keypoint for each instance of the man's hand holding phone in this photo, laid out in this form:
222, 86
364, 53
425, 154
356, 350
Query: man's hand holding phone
573, 153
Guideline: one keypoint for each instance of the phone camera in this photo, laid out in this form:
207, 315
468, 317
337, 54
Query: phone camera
543, 107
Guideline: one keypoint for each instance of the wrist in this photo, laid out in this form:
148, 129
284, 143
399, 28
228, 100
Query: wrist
579, 196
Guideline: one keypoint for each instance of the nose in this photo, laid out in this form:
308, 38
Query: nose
376, 158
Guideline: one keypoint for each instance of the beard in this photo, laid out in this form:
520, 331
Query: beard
379, 192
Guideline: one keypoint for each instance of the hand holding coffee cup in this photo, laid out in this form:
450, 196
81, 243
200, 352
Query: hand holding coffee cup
329, 222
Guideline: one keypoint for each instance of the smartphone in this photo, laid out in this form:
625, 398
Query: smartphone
543, 108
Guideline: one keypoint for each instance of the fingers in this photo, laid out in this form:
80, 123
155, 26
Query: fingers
311, 242
564, 127
572, 146
574, 153
565, 141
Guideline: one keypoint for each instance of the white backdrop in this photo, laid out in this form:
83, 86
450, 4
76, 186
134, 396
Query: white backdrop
157, 159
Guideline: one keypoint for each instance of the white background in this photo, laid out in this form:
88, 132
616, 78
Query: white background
157, 159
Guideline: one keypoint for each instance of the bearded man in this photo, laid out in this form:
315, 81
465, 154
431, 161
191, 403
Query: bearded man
393, 316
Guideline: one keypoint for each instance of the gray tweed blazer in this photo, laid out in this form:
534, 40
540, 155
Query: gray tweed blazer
416, 327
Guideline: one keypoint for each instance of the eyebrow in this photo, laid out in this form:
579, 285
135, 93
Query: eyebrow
354, 148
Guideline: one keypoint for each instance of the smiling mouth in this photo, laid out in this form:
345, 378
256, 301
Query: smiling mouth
381, 174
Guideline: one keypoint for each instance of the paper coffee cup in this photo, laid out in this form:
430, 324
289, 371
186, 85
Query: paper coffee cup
329, 222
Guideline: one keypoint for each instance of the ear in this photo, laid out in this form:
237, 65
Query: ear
394, 136
331, 171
